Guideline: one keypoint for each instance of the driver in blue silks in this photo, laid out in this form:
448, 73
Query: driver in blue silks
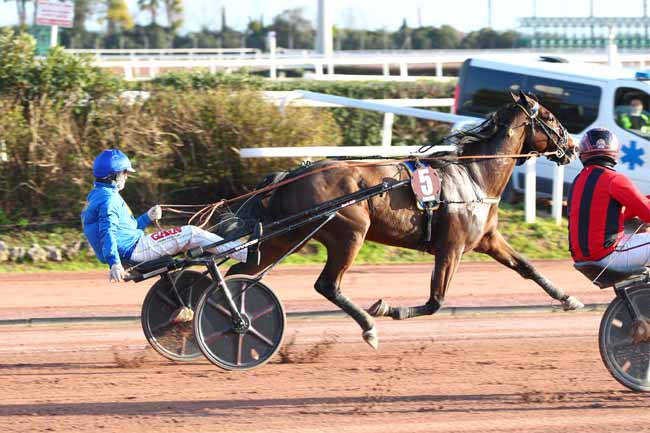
116, 236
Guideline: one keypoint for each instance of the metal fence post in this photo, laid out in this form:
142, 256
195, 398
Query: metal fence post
403, 70
271, 42
530, 190
439, 69
318, 69
387, 132
128, 72
558, 196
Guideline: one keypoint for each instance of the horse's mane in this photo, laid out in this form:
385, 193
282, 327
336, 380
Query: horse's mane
480, 133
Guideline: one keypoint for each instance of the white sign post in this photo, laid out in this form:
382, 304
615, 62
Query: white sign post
55, 13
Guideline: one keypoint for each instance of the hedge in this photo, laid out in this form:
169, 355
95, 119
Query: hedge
359, 127
57, 113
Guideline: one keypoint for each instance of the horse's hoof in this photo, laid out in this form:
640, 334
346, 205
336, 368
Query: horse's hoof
370, 336
379, 309
182, 315
641, 331
571, 303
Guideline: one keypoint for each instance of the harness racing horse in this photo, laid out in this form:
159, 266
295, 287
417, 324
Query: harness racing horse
466, 219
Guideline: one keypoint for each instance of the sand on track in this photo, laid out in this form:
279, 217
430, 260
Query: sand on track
476, 373
55, 294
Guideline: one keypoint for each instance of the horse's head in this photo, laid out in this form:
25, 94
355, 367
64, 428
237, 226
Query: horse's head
544, 133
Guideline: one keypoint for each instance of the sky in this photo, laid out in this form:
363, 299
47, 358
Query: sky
377, 14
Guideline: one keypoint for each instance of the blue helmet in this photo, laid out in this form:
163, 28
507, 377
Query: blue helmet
111, 161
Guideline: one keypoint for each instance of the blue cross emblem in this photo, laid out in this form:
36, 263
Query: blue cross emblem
632, 155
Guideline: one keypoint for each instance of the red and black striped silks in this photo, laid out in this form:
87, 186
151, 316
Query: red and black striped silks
600, 201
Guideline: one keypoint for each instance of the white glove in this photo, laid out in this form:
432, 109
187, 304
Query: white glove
155, 213
116, 274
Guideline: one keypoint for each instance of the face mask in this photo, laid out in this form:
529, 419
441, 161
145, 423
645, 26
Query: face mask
120, 181
636, 110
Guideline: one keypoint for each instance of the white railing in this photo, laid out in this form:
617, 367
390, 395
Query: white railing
391, 107
149, 63
126, 53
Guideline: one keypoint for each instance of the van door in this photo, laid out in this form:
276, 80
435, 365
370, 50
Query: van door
631, 123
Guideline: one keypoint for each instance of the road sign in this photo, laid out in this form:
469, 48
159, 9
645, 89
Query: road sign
55, 13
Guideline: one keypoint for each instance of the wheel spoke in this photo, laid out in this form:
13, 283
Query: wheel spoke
167, 300
217, 335
183, 346
626, 366
259, 335
262, 312
627, 341
242, 305
162, 325
240, 347
190, 291
219, 307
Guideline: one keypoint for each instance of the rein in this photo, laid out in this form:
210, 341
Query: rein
559, 137
206, 211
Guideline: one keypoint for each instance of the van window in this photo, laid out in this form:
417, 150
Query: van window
574, 104
631, 110
483, 91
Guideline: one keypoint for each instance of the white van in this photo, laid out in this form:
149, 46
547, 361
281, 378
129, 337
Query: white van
581, 96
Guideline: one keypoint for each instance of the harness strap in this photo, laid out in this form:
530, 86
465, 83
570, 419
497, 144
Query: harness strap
203, 215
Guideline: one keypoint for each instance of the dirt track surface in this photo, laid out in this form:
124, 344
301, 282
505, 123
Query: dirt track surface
482, 373
55, 294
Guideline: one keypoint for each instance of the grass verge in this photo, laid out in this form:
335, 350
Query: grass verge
540, 240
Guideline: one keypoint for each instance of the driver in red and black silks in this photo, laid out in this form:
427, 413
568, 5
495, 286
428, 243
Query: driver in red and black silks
600, 201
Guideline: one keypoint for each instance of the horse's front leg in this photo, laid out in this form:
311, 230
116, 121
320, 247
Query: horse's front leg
445, 267
494, 245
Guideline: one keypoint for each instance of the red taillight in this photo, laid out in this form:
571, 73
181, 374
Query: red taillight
454, 107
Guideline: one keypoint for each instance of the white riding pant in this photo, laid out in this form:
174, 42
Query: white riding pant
632, 252
180, 239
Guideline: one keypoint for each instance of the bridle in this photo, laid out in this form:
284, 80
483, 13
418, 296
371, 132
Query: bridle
558, 136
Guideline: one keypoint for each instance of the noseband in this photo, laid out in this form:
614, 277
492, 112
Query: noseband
558, 136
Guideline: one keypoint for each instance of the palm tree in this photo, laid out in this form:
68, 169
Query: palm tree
117, 16
82, 10
174, 11
152, 6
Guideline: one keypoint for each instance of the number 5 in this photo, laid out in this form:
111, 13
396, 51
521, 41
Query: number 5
426, 183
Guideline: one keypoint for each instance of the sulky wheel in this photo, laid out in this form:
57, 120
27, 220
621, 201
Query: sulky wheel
624, 344
166, 324
249, 343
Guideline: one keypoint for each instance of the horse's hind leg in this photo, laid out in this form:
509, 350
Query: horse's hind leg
496, 247
343, 240
445, 267
270, 251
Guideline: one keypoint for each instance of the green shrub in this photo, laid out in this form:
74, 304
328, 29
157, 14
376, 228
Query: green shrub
59, 112
200, 129
359, 127
180, 143
59, 78
203, 80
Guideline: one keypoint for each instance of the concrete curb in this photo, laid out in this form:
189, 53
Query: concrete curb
302, 315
